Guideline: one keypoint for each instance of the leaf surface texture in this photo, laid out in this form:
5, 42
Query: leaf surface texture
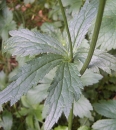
65, 87
24, 42
100, 60
81, 22
107, 35
82, 108
106, 124
106, 108
29, 76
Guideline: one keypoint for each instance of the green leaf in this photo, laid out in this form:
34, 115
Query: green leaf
50, 29
68, 2
29, 121
107, 35
106, 124
61, 128
100, 60
81, 22
38, 93
24, 42
85, 121
1, 109
111, 87
28, 76
104, 61
2, 4
22, 112
65, 87
84, 128
7, 121
74, 5
2, 80
54, 31
106, 108
82, 108
28, 1
6, 23
90, 78
37, 112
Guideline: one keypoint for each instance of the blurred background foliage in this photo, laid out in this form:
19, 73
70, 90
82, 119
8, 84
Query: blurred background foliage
28, 113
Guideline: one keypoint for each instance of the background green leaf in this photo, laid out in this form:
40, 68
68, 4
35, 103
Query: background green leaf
28, 1
38, 93
82, 108
90, 78
84, 128
74, 5
106, 124
106, 108
7, 121
7, 24
107, 35
61, 128
100, 60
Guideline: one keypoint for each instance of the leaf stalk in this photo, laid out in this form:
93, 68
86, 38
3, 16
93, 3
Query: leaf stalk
67, 30
95, 35
70, 119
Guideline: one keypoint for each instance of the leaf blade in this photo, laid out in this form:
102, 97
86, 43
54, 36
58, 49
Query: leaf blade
100, 60
65, 87
90, 78
106, 108
82, 108
106, 124
106, 40
24, 42
81, 22
104, 61
28, 76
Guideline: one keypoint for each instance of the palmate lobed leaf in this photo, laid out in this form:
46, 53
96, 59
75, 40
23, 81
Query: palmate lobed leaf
24, 42
100, 60
106, 108
103, 60
106, 124
90, 78
81, 22
65, 87
107, 35
82, 108
29, 76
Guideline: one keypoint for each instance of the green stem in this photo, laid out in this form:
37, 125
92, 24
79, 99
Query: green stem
67, 29
95, 35
70, 119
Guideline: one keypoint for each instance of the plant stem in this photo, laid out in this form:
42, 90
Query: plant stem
67, 29
95, 35
70, 119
